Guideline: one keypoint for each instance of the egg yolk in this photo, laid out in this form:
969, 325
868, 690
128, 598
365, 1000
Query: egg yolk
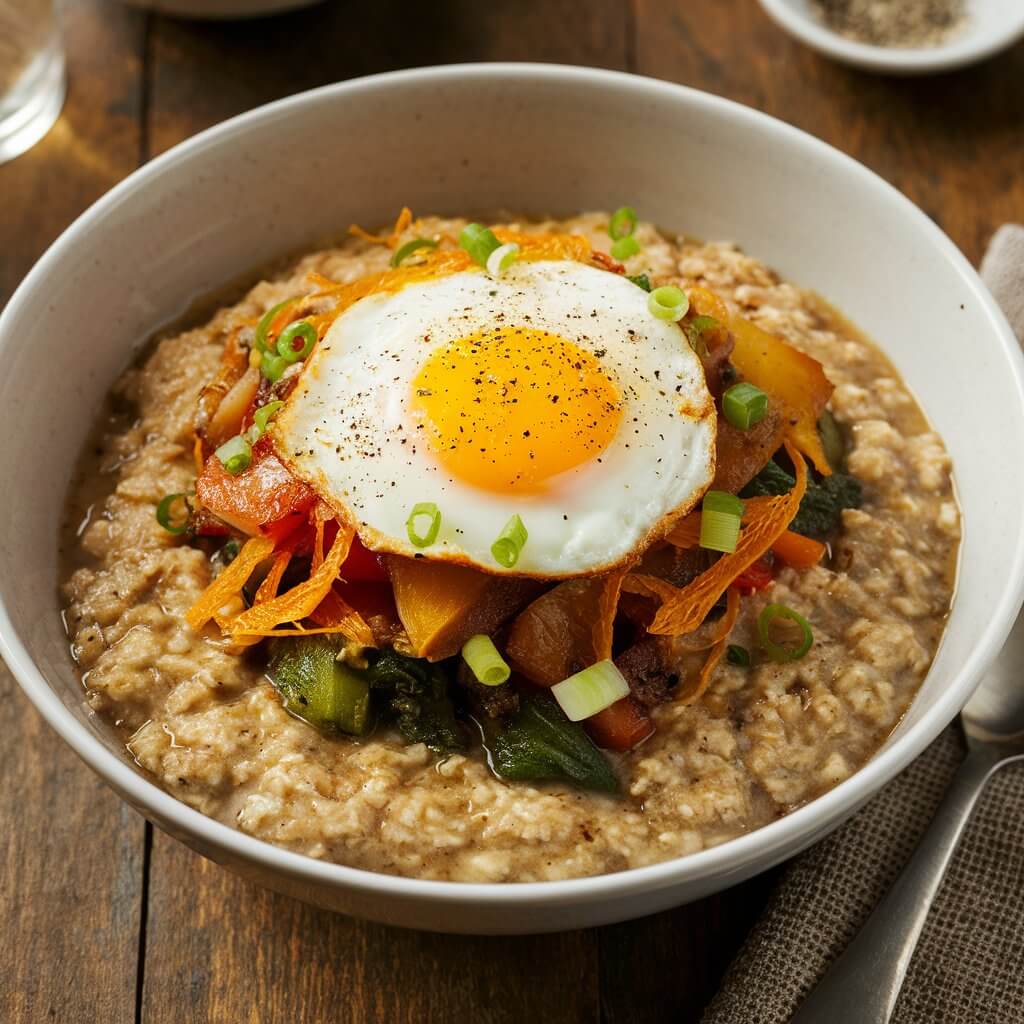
507, 409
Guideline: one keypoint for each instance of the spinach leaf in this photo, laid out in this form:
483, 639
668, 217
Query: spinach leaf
541, 744
819, 513
317, 687
415, 692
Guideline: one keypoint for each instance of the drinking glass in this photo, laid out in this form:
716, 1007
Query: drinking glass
32, 83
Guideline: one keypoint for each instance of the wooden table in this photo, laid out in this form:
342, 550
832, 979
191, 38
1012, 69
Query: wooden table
103, 919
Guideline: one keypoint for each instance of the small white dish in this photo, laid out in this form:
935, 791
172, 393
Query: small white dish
992, 26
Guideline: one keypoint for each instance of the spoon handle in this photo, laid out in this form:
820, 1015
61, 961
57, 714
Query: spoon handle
862, 985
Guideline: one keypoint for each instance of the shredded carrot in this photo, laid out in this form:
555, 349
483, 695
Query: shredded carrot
684, 609
699, 685
607, 604
268, 588
390, 240
686, 533
229, 583
711, 631
297, 603
295, 631
798, 551
197, 456
335, 615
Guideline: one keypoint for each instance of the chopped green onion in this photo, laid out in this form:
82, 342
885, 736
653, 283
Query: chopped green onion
235, 455
641, 281
737, 655
479, 242
489, 667
743, 405
264, 414
623, 248
403, 252
502, 258
623, 223
791, 649
590, 691
510, 543
263, 327
165, 510
720, 520
286, 348
668, 303
252, 435
273, 366
423, 536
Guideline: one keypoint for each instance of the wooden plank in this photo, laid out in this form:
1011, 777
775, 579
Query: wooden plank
223, 951
667, 967
206, 72
953, 143
72, 854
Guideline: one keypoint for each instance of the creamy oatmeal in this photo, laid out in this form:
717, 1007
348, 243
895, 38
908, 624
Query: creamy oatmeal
199, 713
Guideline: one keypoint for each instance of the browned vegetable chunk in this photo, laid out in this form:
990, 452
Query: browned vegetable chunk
742, 453
442, 605
565, 630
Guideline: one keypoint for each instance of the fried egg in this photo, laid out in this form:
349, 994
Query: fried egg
550, 392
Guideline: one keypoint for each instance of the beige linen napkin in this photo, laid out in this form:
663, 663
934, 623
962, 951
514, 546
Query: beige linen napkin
969, 964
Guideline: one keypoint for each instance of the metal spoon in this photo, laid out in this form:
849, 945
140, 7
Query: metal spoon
863, 984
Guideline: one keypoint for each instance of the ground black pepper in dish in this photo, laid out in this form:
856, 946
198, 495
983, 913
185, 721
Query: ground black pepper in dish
896, 23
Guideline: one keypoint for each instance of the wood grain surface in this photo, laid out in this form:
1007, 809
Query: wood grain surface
103, 920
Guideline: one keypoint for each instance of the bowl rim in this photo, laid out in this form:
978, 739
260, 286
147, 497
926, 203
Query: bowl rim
958, 52
758, 846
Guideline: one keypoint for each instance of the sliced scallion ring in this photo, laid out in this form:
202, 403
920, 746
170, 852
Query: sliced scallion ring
296, 341
623, 248
510, 542
403, 252
272, 366
263, 327
423, 524
165, 513
737, 655
789, 650
235, 455
484, 661
623, 223
668, 303
502, 258
744, 405
479, 242
720, 519
264, 414
590, 691
641, 281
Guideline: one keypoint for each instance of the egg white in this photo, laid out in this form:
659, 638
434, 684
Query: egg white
346, 428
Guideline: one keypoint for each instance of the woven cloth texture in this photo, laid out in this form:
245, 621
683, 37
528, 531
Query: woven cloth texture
969, 964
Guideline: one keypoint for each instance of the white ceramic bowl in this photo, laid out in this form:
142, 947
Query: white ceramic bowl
535, 138
992, 26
